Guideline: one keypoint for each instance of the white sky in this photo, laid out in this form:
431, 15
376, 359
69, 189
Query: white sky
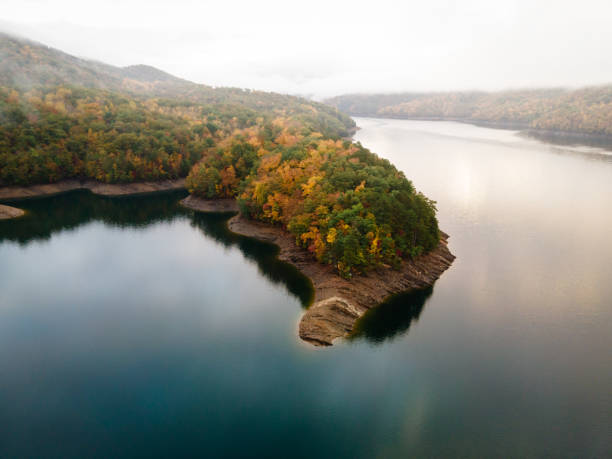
324, 48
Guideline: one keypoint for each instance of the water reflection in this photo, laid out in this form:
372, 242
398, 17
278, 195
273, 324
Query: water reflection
263, 254
594, 148
67, 211
49, 215
392, 318
185, 348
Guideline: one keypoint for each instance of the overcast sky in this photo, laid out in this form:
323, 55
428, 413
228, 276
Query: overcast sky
328, 47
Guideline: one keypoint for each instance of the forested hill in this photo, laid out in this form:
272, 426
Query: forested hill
27, 65
284, 158
63, 117
586, 110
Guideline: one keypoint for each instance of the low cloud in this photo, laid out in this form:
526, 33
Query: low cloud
327, 48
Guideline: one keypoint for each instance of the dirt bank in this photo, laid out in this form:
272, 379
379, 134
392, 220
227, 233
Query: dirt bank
210, 205
106, 189
338, 302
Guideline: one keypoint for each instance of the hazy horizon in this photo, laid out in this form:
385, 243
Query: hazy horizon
326, 49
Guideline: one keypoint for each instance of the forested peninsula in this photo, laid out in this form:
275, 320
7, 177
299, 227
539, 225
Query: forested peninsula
347, 218
586, 111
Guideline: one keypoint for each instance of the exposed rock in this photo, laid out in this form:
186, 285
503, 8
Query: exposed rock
338, 302
210, 205
106, 189
329, 319
7, 212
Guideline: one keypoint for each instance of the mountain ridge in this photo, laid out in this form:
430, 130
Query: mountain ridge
50, 66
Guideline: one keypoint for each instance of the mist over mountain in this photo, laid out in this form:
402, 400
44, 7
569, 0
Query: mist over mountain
585, 110
332, 48
25, 64
67, 117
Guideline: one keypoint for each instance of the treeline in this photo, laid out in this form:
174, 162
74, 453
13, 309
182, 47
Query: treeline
54, 133
587, 110
346, 205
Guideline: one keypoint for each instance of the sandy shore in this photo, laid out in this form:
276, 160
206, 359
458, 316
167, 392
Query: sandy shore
7, 212
338, 302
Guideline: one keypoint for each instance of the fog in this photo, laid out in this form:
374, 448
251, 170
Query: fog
323, 48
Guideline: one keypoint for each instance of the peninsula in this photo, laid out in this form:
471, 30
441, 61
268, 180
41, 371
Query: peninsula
348, 219
338, 303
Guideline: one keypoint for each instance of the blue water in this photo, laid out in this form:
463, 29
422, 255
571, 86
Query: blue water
134, 328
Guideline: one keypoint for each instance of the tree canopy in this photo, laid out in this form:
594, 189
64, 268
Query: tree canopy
346, 205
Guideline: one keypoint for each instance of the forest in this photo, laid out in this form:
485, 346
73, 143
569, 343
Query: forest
285, 159
350, 208
57, 133
53, 133
586, 110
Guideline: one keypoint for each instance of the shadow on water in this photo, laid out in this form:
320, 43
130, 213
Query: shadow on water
49, 215
392, 318
589, 147
263, 254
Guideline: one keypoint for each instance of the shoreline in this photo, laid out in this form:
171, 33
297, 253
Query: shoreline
18, 193
10, 193
520, 126
338, 303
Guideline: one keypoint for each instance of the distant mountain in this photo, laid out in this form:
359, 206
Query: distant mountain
582, 111
25, 64
146, 73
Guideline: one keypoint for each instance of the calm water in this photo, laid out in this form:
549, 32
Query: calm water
131, 327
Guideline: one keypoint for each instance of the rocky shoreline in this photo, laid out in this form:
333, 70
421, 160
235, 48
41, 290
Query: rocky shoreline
338, 302
12, 193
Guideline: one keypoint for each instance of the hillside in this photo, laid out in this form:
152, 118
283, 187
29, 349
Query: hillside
26, 65
64, 117
584, 111
285, 159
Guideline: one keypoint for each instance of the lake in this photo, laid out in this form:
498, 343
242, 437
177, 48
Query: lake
131, 327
